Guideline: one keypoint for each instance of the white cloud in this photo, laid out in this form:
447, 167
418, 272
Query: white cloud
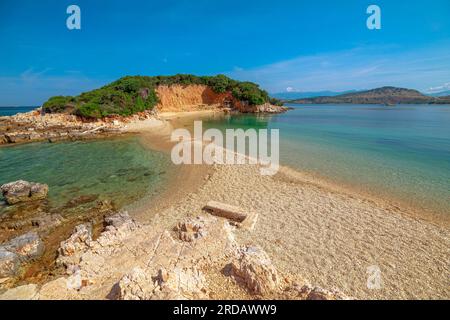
444, 87
358, 68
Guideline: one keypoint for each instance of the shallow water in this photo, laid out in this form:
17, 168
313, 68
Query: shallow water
119, 170
400, 152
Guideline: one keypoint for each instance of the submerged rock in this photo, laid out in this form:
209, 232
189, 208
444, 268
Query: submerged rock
28, 246
23, 191
9, 263
48, 221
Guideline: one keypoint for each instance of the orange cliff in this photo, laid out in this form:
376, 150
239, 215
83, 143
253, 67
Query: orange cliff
178, 98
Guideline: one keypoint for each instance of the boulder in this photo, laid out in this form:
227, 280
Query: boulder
27, 246
191, 229
317, 293
177, 284
48, 221
137, 285
255, 271
188, 282
120, 220
79, 241
22, 191
9, 263
26, 292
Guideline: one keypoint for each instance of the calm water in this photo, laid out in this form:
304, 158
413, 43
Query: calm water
10, 111
402, 152
120, 170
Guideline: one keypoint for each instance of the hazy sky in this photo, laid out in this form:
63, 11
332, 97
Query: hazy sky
282, 45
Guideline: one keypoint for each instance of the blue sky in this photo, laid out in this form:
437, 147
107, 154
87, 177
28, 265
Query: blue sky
282, 45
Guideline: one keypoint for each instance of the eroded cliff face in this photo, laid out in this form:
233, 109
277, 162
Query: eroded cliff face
177, 98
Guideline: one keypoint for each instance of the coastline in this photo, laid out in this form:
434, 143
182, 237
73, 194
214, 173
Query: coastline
310, 227
323, 231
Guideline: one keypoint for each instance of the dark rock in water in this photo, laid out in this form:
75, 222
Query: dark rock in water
27, 246
104, 206
22, 191
48, 221
81, 200
9, 263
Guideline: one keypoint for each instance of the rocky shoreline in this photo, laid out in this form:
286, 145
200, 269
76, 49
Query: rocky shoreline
35, 126
131, 261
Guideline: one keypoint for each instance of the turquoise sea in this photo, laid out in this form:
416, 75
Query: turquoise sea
400, 152
10, 111
120, 170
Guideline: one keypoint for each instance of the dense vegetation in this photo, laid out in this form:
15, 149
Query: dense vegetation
133, 94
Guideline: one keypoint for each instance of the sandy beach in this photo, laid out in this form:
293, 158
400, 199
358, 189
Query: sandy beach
316, 231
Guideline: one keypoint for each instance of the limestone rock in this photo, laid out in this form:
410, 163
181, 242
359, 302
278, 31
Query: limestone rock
121, 220
78, 241
191, 229
22, 191
178, 284
26, 292
48, 221
187, 282
27, 246
254, 269
316, 293
137, 285
58, 289
9, 263
226, 211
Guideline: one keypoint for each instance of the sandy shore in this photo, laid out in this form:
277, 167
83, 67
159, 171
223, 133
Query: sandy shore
314, 232
323, 234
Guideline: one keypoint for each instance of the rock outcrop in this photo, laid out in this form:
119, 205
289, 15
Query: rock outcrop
193, 260
9, 263
26, 292
27, 246
255, 271
78, 242
23, 191
19, 250
191, 229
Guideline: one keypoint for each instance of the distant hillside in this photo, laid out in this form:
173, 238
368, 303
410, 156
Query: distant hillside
440, 94
384, 95
133, 94
307, 94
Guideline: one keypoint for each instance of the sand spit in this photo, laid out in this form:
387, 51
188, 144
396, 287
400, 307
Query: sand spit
306, 235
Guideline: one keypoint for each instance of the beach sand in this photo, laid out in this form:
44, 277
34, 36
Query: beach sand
315, 231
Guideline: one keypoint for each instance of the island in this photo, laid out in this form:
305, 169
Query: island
384, 95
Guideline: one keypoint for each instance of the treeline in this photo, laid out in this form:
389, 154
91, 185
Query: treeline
133, 94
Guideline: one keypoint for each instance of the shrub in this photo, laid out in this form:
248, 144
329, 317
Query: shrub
125, 96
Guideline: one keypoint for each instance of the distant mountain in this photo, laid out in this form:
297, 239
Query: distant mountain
440, 94
384, 95
307, 94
